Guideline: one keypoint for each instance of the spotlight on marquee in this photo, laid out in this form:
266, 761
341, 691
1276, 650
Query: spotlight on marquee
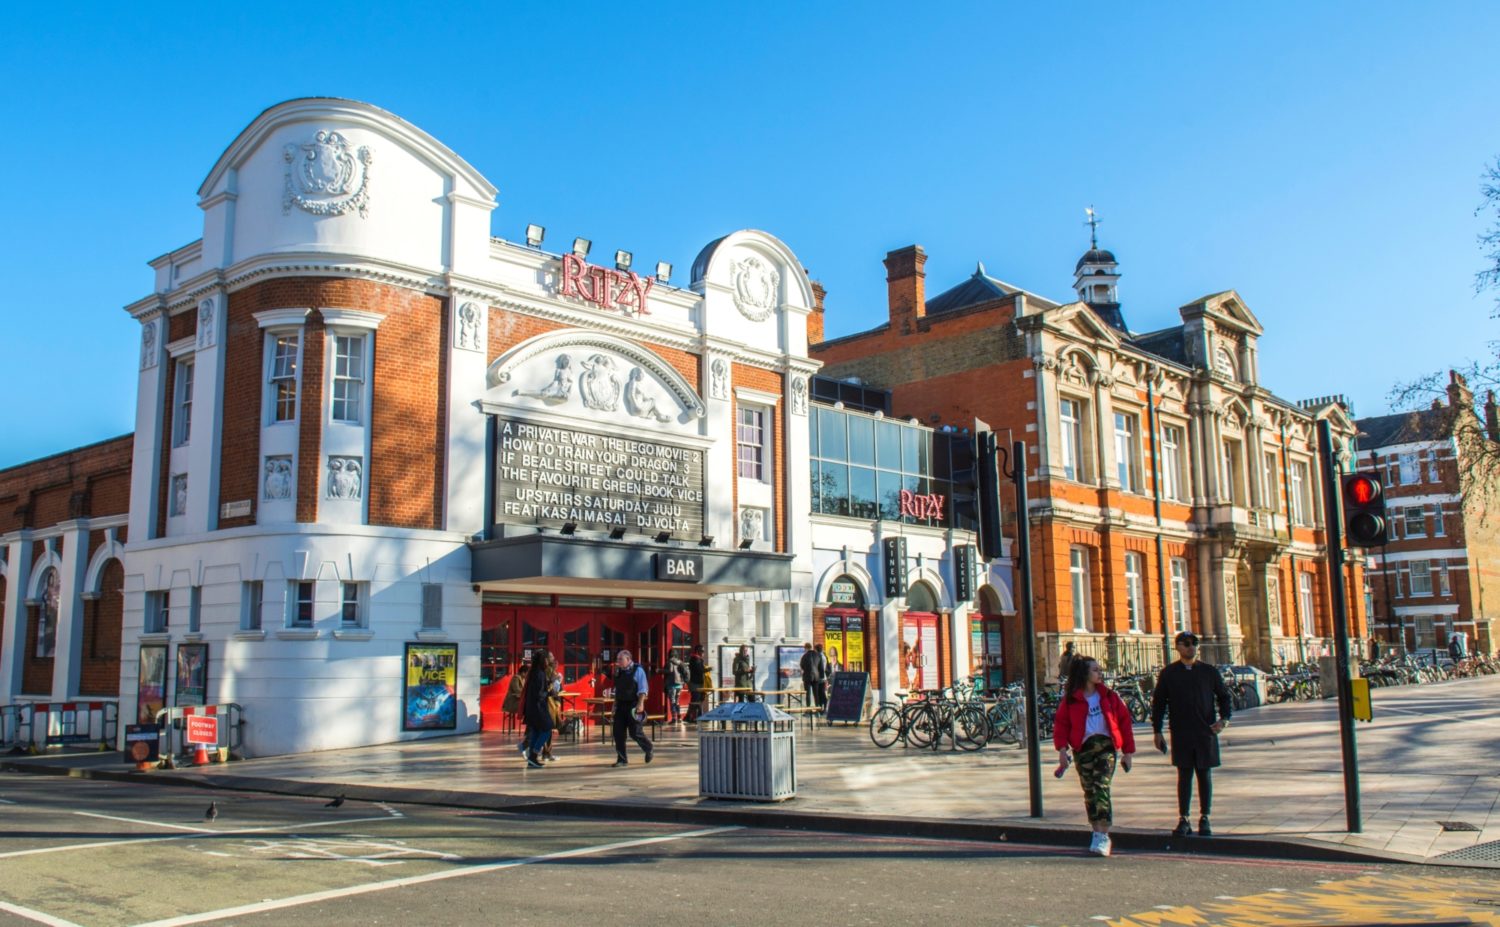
617, 532
663, 537
534, 236
622, 260
706, 541
569, 527
581, 247
663, 271
746, 542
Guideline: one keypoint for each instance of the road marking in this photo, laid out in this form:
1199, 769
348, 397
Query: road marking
37, 916
4, 802
217, 833
111, 817
296, 900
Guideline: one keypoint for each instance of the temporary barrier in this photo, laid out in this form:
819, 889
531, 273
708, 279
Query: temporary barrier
231, 719
52, 724
14, 720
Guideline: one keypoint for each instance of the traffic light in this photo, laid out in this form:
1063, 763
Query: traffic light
1364, 509
987, 488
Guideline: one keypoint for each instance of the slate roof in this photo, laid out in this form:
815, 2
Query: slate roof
980, 288
1168, 343
1403, 427
1095, 256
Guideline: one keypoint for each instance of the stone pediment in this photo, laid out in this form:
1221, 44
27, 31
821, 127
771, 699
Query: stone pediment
589, 375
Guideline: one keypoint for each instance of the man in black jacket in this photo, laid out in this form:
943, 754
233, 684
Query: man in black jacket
814, 675
1193, 695
630, 707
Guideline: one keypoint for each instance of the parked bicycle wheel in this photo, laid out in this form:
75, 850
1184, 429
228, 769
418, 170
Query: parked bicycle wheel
971, 730
920, 724
885, 726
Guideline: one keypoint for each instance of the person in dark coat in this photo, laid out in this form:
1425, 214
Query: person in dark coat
697, 682
1193, 696
537, 704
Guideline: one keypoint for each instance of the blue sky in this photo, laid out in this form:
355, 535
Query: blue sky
1322, 159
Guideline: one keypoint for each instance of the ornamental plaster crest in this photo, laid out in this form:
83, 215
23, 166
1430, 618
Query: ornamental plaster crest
345, 477
559, 389
799, 395
752, 523
1072, 371
278, 478
718, 383
599, 385
179, 494
148, 345
466, 326
1273, 601
1043, 362
756, 285
639, 401
326, 176
206, 323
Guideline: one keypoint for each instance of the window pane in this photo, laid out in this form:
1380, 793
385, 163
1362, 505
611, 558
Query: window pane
835, 488
812, 433
862, 502
888, 445
911, 441
831, 432
888, 489
861, 440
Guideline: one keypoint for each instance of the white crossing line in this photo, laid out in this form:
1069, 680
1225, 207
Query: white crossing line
331, 894
37, 916
112, 817
4, 802
277, 828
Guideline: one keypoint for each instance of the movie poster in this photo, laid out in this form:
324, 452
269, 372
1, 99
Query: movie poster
192, 675
151, 685
430, 700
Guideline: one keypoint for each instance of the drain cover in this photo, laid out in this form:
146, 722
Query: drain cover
1479, 853
1458, 825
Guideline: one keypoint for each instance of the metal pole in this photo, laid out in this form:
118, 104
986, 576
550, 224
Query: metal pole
1334, 532
1028, 626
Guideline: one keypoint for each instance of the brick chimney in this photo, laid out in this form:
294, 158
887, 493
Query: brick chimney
906, 287
1492, 416
815, 318
1459, 394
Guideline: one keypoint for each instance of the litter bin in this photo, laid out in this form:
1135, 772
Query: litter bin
747, 750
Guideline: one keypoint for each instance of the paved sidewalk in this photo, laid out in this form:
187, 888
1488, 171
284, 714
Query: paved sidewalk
1431, 755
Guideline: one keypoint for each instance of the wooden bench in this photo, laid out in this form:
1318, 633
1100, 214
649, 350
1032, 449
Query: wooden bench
808, 714
656, 721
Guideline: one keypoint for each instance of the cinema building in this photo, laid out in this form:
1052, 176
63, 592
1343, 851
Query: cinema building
381, 457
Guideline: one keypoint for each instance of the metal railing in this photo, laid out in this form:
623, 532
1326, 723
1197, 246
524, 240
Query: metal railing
13, 720
59, 724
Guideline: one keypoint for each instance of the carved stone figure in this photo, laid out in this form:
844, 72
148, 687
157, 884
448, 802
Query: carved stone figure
326, 177
278, 481
559, 389
718, 382
799, 395
206, 323
179, 493
148, 345
468, 326
757, 287
600, 384
344, 480
639, 401
752, 523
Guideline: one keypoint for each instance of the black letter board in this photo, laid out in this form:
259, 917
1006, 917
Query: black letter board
895, 567
963, 573
846, 698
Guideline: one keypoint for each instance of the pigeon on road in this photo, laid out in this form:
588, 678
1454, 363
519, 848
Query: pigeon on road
213, 811
335, 803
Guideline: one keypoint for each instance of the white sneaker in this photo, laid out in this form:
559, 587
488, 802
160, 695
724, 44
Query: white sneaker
1094, 842
1104, 845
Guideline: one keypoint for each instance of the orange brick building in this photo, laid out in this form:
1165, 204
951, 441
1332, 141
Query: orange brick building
1169, 489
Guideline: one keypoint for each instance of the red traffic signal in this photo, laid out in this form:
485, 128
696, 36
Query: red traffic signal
1364, 509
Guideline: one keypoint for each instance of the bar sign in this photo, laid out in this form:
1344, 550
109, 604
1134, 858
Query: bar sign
894, 550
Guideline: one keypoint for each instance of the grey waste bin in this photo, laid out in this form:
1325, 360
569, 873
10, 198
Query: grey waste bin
747, 750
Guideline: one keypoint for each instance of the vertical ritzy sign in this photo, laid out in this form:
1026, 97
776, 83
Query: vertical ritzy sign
894, 550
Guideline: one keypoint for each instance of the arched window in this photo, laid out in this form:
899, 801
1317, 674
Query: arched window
46, 614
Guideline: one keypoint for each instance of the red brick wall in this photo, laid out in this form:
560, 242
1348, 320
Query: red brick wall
90, 481
183, 324
99, 673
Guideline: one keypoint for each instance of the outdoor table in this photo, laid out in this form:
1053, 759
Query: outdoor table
793, 695
721, 689
600, 710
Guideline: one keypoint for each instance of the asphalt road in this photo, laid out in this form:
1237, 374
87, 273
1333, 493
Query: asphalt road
97, 853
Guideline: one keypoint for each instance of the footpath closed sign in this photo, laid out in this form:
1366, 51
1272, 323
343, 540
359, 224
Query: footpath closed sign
202, 729
846, 697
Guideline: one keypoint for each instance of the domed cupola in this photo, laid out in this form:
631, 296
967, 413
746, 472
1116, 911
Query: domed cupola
1096, 277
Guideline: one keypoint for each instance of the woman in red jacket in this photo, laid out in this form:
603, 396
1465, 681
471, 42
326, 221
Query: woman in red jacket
1094, 723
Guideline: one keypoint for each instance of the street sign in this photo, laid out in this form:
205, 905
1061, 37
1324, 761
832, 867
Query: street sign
142, 743
202, 729
1360, 706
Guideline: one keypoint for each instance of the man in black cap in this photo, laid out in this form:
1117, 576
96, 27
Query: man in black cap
1193, 695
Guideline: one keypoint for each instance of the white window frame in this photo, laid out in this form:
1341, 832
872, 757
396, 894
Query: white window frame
1180, 593
1127, 451
352, 596
1438, 528
295, 599
1421, 577
1308, 619
353, 379
1420, 521
1445, 587
253, 597
195, 609
1432, 467
432, 606
1071, 437
1133, 605
182, 402
158, 617
753, 455
1171, 463
277, 374
1301, 492
1411, 468
1078, 574
1271, 482
1232, 464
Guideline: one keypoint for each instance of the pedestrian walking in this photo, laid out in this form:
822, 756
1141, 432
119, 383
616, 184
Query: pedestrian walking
744, 673
538, 710
1065, 663
697, 681
814, 675
1192, 695
1095, 725
1458, 646
674, 676
554, 705
630, 707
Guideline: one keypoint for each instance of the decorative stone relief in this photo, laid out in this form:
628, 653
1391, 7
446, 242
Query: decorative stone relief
278, 478
752, 523
639, 401
345, 477
326, 176
1072, 371
799, 395
148, 345
559, 389
1231, 602
179, 494
756, 288
718, 379
1224, 363
599, 385
466, 326
1044, 362
1273, 602
206, 323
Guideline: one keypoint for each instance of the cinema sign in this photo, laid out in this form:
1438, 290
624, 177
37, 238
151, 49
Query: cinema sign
610, 290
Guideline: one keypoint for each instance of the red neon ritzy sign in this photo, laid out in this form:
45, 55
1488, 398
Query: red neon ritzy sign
624, 290
929, 505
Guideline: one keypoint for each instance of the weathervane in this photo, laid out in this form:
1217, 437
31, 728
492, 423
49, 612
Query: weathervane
1093, 225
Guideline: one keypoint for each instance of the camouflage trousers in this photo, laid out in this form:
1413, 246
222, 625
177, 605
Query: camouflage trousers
1095, 761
